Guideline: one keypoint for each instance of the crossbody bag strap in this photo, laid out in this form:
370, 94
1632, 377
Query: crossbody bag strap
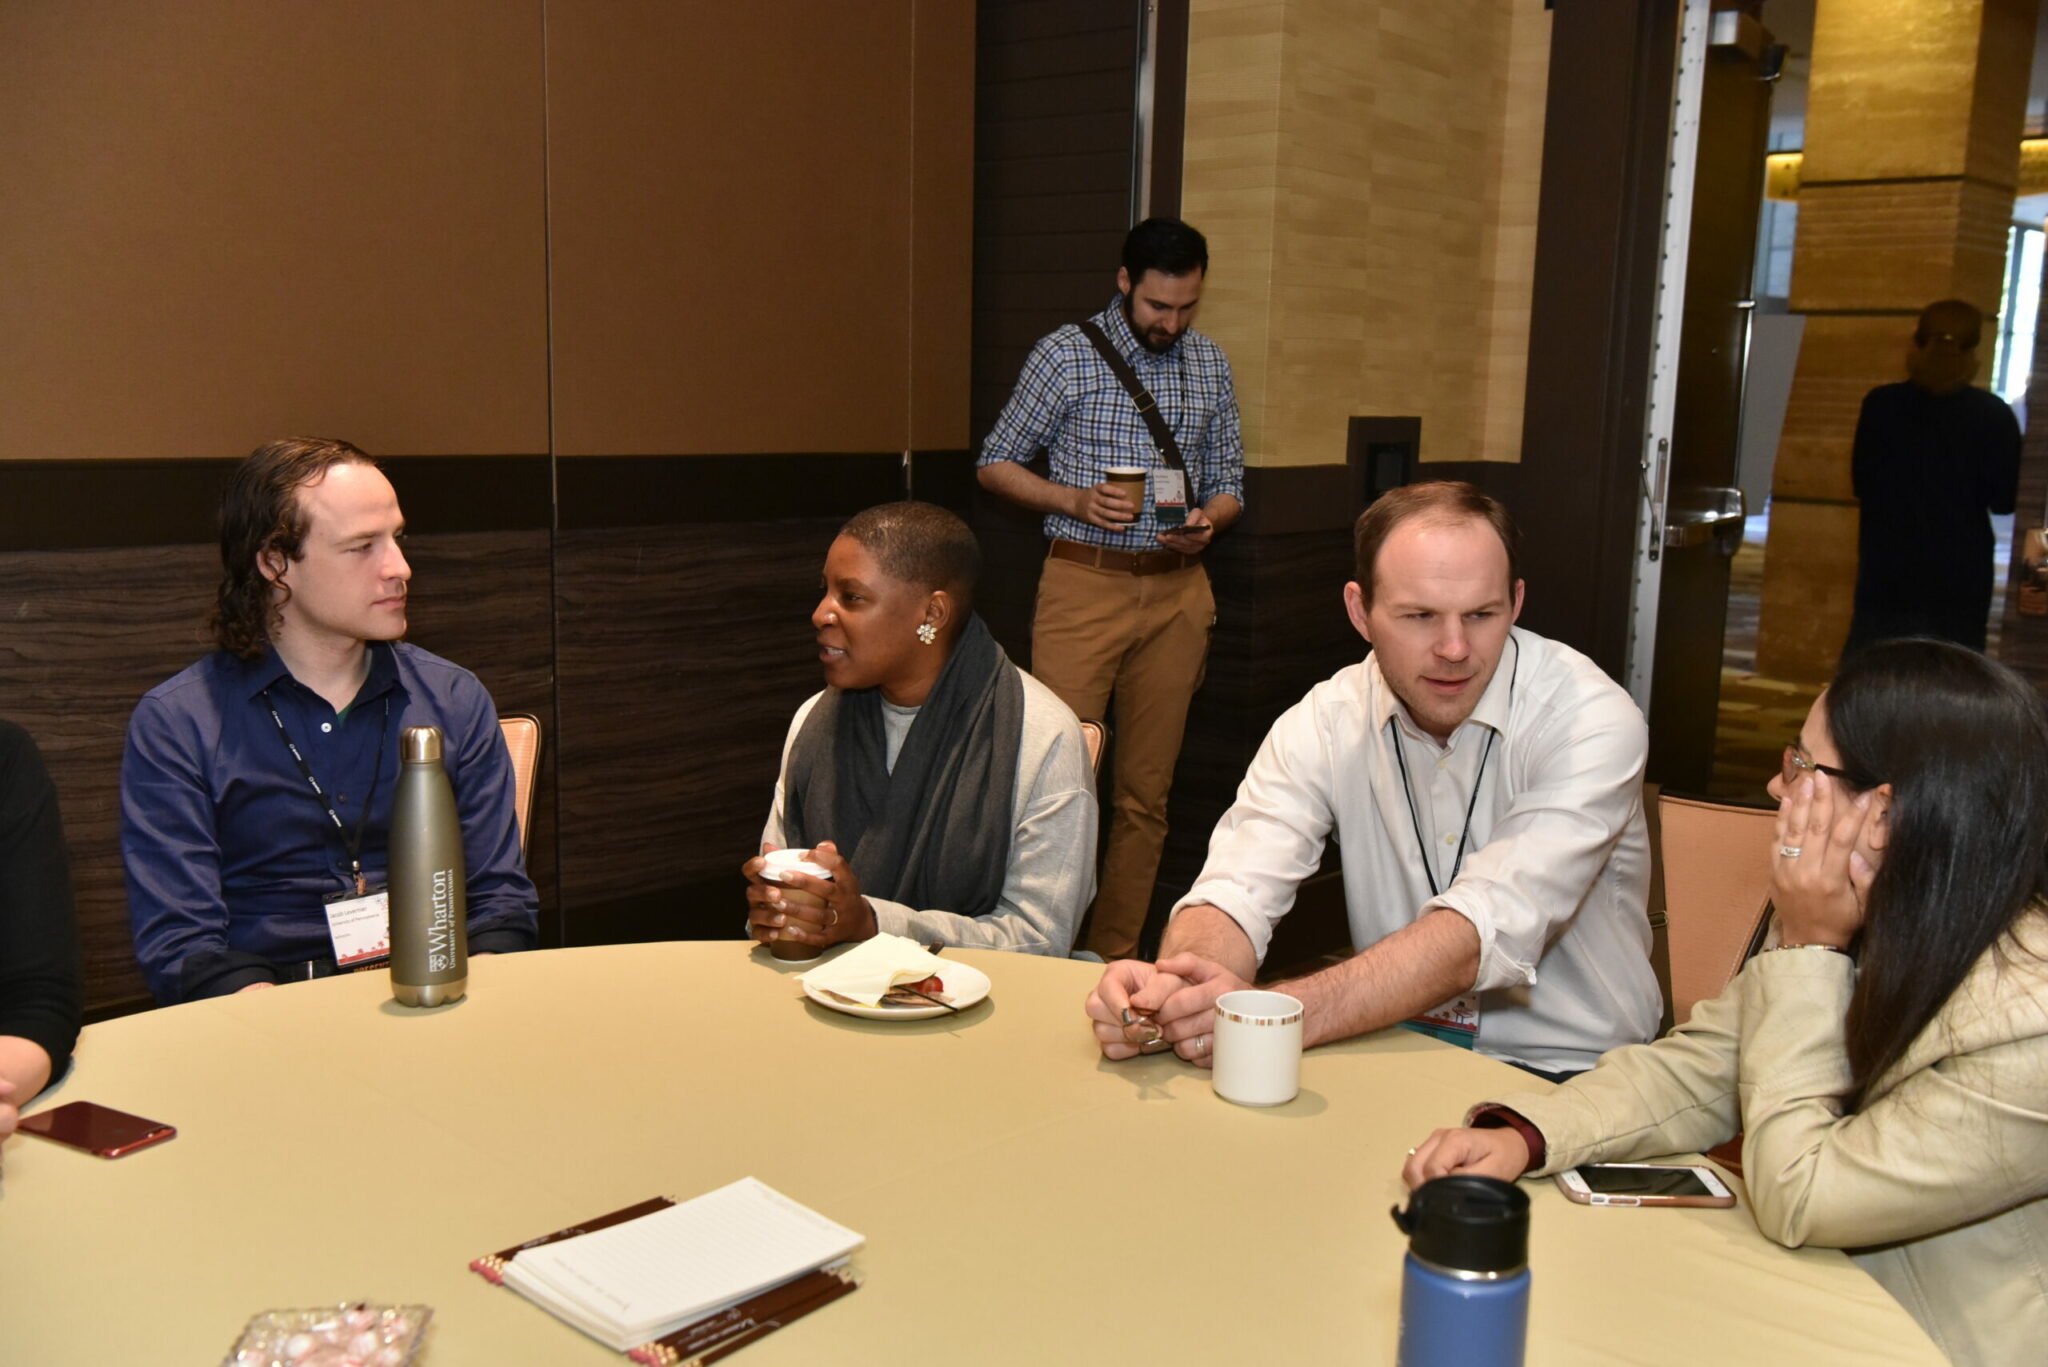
1148, 409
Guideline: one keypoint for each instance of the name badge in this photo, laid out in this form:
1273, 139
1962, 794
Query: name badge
360, 928
1455, 1022
1169, 490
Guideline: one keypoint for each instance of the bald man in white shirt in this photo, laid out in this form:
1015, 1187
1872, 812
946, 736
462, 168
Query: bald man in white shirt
1485, 785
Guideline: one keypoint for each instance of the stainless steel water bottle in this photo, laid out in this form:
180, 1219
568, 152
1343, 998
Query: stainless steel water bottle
1465, 1281
429, 908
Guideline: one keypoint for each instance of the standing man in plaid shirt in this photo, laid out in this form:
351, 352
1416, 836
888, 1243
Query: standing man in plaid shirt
1124, 607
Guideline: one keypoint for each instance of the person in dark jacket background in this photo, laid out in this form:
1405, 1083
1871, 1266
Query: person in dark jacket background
1934, 459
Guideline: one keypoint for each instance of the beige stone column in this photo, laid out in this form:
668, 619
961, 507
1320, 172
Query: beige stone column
1913, 125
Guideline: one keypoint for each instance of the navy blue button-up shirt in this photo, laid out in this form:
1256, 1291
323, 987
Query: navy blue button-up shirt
231, 857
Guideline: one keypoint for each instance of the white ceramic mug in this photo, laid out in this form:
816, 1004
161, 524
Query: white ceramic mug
1258, 1048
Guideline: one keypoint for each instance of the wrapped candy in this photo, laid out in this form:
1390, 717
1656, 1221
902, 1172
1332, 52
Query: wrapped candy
355, 1334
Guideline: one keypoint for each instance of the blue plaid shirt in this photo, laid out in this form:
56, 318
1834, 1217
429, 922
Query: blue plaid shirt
1069, 403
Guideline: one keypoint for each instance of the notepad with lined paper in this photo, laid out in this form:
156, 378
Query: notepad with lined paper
631, 1283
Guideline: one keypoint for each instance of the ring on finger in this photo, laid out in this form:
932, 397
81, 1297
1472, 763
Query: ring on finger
831, 917
1791, 851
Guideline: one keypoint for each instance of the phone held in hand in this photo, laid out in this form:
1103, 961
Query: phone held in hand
97, 1129
1645, 1184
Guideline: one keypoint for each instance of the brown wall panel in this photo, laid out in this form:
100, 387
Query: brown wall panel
1280, 630
733, 216
1055, 84
229, 219
683, 653
942, 216
83, 635
485, 601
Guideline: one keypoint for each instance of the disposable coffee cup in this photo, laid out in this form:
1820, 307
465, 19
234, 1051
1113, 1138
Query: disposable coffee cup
1130, 482
773, 866
1258, 1048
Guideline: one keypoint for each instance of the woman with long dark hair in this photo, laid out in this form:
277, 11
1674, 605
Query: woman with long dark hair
1886, 1057
948, 792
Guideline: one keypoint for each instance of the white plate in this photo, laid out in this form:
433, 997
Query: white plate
965, 985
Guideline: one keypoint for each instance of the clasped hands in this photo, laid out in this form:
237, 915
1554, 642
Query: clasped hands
1140, 1008
807, 910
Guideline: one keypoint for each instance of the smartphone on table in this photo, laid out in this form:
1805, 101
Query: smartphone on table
99, 1130
1645, 1184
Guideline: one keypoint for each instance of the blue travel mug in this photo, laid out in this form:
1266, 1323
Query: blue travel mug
1465, 1281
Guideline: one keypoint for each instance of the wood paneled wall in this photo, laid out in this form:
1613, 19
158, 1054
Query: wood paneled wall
228, 220
758, 225
585, 227
729, 242
1055, 85
1368, 179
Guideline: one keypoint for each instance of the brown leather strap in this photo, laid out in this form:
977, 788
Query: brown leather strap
1122, 562
1148, 408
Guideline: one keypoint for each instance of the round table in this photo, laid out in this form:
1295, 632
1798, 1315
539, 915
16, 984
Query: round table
1023, 1200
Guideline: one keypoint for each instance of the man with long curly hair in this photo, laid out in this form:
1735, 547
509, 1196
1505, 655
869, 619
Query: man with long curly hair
257, 787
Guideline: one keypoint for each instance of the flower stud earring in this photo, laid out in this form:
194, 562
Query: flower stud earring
927, 633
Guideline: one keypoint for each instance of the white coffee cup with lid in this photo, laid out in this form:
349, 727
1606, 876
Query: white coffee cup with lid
774, 866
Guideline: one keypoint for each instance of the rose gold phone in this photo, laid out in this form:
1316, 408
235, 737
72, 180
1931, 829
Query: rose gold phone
1644, 1184
97, 1129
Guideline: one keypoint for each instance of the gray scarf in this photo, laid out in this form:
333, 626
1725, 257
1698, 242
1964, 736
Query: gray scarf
935, 832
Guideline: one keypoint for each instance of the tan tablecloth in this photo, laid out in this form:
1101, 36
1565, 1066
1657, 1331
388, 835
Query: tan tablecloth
1023, 1201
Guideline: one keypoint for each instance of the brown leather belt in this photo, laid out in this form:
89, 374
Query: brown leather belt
1123, 562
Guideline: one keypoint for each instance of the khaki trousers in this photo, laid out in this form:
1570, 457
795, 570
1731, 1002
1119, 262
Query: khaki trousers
1142, 642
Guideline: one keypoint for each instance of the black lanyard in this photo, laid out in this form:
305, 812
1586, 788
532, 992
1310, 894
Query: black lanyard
353, 841
1408, 788
1415, 817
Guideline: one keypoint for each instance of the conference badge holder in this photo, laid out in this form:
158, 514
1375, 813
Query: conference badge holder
1455, 1022
1169, 491
360, 927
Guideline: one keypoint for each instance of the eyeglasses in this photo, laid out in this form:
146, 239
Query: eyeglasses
1796, 765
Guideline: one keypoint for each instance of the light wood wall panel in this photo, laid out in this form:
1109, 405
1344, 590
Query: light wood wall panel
224, 220
737, 198
1231, 189
1368, 179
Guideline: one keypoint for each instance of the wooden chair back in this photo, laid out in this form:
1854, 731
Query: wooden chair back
522, 740
1715, 859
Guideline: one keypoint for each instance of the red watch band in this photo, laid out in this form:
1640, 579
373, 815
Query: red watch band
1492, 1117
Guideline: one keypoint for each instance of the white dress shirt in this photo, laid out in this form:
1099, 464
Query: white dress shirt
1556, 865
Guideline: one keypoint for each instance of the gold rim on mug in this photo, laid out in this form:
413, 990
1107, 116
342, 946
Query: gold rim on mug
1240, 1018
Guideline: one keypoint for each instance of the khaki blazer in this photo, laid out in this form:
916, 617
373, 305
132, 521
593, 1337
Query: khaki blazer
1935, 1187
